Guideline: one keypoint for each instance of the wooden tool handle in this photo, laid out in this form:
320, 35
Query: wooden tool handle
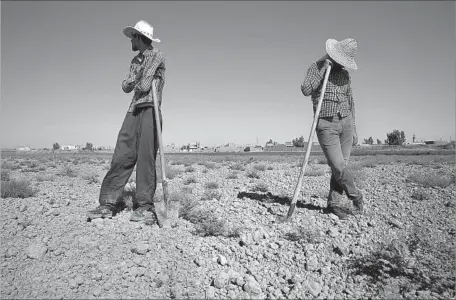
312, 131
159, 133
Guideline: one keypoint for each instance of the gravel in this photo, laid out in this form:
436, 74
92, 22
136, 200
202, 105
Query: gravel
50, 250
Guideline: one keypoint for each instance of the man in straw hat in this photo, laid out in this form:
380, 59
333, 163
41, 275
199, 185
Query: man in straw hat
136, 142
336, 128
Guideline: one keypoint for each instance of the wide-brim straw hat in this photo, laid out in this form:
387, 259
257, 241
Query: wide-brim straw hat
343, 52
142, 27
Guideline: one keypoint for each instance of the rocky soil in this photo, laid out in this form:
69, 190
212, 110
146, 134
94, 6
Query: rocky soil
229, 243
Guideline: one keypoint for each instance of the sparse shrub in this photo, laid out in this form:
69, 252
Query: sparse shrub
6, 175
47, 177
270, 168
17, 189
232, 175
260, 187
304, 235
369, 163
431, 180
9, 166
30, 170
422, 259
68, 171
188, 207
172, 173
212, 185
237, 167
190, 180
253, 174
314, 172
211, 194
210, 225
189, 169
187, 190
210, 165
259, 167
421, 194
91, 178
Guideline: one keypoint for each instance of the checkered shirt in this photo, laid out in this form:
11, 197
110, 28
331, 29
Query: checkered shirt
338, 96
152, 62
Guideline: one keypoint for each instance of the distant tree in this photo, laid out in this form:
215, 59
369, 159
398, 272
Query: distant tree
56, 146
395, 138
369, 141
89, 146
298, 142
379, 142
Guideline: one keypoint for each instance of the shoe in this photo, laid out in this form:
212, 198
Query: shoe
102, 211
359, 206
143, 214
339, 211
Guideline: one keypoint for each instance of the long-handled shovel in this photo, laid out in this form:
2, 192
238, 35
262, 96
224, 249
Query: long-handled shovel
161, 205
309, 146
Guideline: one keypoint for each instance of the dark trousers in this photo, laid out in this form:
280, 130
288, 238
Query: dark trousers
137, 143
335, 135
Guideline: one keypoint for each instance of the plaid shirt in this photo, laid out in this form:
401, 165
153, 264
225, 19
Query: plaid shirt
152, 62
338, 96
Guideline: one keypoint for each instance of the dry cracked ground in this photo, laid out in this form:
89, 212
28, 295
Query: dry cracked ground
229, 243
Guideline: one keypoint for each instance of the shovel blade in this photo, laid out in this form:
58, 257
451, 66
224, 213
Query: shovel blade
162, 217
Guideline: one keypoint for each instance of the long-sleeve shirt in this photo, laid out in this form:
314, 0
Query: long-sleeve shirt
152, 64
338, 96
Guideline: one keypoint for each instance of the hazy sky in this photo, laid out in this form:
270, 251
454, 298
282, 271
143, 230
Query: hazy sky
234, 69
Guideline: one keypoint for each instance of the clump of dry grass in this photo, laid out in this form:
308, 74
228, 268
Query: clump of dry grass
253, 174
237, 167
17, 188
68, 171
212, 185
6, 175
190, 180
172, 172
210, 165
260, 187
9, 166
189, 169
259, 167
421, 194
305, 235
232, 175
45, 177
187, 190
431, 180
211, 194
314, 172
91, 178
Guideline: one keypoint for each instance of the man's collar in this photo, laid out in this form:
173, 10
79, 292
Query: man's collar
148, 51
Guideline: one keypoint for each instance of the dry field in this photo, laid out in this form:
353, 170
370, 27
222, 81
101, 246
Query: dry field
228, 243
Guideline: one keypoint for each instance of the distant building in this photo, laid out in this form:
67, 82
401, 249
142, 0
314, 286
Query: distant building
69, 147
23, 148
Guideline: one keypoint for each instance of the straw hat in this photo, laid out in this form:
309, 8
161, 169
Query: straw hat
142, 27
343, 52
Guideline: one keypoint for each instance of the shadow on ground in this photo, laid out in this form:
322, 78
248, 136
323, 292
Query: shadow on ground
268, 198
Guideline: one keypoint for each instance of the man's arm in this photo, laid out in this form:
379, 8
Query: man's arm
312, 80
151, 66
128, 84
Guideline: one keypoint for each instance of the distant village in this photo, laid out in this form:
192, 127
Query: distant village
229, 147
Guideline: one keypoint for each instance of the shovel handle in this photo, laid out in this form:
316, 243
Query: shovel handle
159, 132
309, 143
